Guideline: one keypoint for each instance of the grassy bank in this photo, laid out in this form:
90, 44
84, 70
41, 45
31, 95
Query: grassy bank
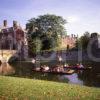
12, 88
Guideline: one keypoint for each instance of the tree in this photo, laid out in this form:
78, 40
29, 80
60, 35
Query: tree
34, 45
47, 24
47, 28
83, 41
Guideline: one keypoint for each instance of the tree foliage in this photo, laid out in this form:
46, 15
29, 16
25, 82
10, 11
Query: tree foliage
47, 28
51, 25
83, 41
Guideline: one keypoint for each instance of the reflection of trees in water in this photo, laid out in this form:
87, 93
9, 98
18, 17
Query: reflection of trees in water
85, 76
96, 72
96, 67
6, 69
89, 77
48, 77
23, 69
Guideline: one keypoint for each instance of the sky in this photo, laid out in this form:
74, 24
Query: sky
81, 15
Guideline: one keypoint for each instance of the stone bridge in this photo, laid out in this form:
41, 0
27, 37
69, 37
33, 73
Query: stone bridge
5, 55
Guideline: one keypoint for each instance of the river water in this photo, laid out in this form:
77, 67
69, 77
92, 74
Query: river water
24, 69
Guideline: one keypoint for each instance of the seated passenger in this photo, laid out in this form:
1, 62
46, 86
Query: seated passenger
81, 66
61, 69
66, 66
46, 68
33, 61
56, 69
77, 66
41, 68
37, 68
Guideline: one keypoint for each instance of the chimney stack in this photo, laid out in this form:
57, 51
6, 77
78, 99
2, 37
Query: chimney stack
5, 23
14, 23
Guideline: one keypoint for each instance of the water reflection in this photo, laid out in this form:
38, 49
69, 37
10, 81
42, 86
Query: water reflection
49, 77
89, 78
6, 69
73, 79
22, 69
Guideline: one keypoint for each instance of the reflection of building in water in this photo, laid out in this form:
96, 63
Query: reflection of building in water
6, 69
13, 38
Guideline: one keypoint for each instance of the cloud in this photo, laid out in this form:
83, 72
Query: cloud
73, 19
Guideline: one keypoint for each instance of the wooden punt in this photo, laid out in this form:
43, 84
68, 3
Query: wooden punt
67, 72
75, 68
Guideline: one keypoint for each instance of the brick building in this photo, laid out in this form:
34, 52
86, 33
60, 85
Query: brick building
13, 38
69, 41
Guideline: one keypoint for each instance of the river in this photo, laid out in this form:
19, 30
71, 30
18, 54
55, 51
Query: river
24, 69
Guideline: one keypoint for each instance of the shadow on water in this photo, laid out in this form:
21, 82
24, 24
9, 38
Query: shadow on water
24, 69
91, 77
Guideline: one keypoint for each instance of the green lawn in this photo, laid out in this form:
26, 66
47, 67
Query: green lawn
12, 88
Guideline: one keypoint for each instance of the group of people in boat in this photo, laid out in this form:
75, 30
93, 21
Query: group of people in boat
77, 66
58, 68
44, 68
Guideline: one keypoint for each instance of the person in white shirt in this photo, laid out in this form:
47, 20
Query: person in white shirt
33, 61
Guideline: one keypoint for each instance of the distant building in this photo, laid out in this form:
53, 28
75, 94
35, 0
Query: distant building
69, 41
13, 38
